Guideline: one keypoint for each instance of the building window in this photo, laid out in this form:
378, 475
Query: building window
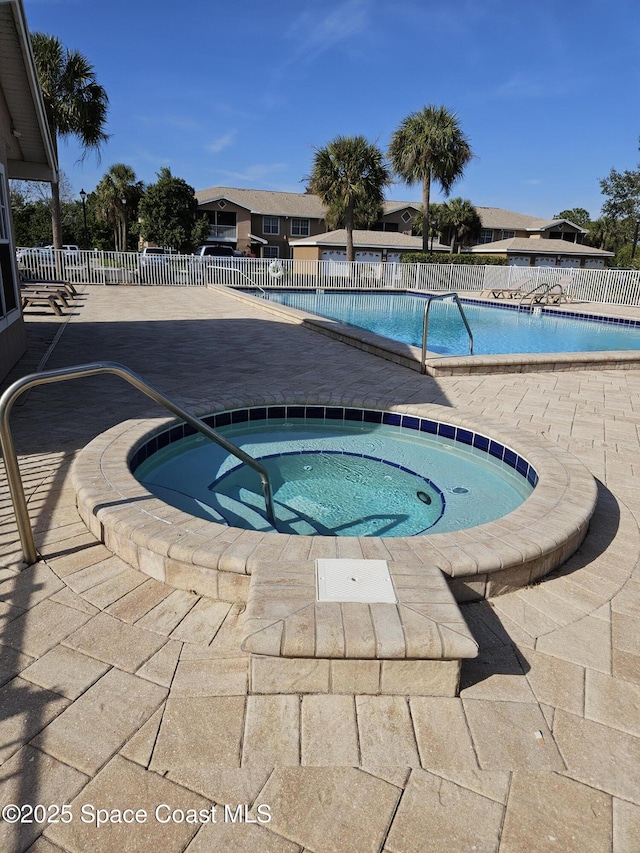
270, 252
270, 225
8, 294
222, 225
300, 228
406, 216
507, 235
486, 235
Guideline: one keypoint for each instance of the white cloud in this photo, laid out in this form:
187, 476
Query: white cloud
317, 31
256, 173
221, 142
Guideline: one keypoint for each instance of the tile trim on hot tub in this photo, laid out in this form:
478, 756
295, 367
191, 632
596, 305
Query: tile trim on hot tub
463, 435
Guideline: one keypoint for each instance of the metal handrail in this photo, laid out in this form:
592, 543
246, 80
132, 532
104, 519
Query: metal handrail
425, 325
524, 296
79, 371
244, 275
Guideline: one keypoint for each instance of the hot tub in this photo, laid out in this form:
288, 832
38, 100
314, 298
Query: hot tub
213, 557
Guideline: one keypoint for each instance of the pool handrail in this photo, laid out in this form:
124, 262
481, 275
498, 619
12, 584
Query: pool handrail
244, 275
46, 377
537, 301
425, 324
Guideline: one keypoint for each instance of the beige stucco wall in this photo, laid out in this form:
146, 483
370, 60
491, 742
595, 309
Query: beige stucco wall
306, 253
396, 217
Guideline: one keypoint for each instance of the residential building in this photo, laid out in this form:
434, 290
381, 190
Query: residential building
272, 224
371, 246
265, 223
530, 241
26, 153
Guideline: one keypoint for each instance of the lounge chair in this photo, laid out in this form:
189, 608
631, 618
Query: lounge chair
503, 292
60, 293
27, 300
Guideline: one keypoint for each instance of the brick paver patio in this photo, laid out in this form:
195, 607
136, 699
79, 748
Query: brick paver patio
118, 692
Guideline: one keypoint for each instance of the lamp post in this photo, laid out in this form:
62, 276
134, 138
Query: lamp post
123, 234
83, 196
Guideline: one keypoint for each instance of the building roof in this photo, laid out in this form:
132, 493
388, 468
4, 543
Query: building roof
539, 246
267, 202
272, 203
361, 239
496, 217
309, 206
30, 151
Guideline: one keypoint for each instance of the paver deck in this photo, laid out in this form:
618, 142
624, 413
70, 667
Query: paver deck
120, 692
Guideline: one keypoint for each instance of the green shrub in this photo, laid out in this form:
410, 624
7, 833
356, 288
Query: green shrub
444, 258
623, 257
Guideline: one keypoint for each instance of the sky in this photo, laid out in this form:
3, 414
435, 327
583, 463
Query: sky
240, 94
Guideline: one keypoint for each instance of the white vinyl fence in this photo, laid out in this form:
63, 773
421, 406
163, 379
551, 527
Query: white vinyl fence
620, 287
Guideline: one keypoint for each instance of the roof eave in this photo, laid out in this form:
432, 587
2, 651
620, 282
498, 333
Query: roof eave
21, 169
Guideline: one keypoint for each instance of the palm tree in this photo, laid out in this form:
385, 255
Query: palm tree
430, 145
75, 104
116, 200
463, 220
436, 223
349, 175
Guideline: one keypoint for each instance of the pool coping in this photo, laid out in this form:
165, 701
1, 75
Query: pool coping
216, 560
436, 365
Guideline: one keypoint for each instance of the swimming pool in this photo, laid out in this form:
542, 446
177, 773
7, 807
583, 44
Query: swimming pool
399, 316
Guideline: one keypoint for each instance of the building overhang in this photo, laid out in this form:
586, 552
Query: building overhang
30, 149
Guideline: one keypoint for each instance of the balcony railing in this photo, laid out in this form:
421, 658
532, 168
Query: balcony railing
223, 232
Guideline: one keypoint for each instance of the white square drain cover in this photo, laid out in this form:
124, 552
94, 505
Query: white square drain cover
367, 581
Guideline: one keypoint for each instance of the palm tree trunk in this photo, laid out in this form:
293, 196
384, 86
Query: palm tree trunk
56, 216
426, 226
348, 224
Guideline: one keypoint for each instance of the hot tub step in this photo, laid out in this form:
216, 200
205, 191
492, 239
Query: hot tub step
301, 644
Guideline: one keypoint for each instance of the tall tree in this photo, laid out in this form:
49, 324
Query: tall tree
116, 201
577, 215
168, 213
463, 221
349, 175
623, 194
75, 104
430, 146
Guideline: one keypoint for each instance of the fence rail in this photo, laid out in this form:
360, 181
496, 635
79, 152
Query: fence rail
621, 287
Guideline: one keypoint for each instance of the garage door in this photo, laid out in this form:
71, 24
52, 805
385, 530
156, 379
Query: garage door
333, 255
519, 261
544, 261
569, 262
341, 255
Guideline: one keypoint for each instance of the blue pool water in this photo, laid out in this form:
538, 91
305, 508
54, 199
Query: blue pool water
495, 330
337, 478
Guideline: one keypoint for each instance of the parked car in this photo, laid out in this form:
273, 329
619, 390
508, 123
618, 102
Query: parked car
68, 249
36, 262
153, 256
215, 250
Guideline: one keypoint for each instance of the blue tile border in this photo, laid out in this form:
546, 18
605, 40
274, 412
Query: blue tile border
461, 435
